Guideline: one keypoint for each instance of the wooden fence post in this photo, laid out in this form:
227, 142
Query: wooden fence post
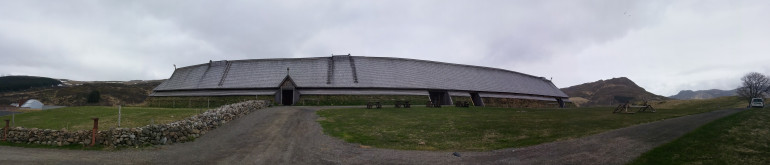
119, 108
5, 132
93, 133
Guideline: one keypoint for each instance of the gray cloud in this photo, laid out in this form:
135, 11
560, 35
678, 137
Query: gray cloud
572, 41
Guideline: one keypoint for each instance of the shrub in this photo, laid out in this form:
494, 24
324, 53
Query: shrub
94, 97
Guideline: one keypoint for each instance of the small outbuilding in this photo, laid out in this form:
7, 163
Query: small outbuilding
32, 104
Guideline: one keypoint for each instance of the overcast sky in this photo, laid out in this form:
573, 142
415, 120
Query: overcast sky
664, 46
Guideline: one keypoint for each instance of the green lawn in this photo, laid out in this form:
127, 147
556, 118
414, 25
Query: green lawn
742, 138
79, 118
483, 129
69, 147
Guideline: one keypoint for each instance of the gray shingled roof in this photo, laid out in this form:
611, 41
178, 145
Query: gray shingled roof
370, 72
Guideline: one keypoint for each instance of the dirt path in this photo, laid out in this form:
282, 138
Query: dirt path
291, 135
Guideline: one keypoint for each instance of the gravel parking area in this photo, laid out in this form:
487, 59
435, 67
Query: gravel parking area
291, 135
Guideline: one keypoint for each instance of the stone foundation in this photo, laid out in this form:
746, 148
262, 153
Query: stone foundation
518, 103
199, 101
359, 99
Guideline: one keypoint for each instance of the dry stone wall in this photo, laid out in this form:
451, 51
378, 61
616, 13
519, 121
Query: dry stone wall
158, 134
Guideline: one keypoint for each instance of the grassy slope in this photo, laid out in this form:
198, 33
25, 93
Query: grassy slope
111, 94
70, 147
79, 118
742, 138
718, 103
15, 83
480, 129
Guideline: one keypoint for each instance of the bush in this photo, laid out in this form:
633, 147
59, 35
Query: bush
94, 97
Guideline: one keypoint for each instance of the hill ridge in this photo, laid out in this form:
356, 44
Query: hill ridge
74, 93
703, 94
609, 92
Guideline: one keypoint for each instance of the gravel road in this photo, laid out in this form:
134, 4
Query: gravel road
291, 135
3, 113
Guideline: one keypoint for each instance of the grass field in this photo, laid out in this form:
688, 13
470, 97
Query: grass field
742, 138
482, 129
69, 147
79, 118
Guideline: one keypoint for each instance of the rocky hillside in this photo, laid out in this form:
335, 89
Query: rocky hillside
609, 92
703, 94
111, 93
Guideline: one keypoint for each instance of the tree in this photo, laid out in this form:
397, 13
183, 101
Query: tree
754, 85
94, 97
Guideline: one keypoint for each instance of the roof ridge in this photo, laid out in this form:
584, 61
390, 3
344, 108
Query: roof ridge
351, 56
417, 74
476, 66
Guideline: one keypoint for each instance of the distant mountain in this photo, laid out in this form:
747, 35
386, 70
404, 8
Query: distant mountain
609, 92
703, 94
17, 83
